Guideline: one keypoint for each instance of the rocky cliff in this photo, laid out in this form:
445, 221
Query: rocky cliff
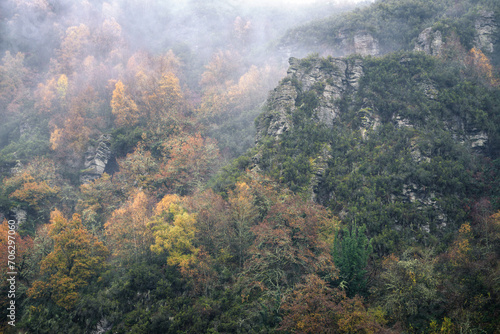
96, 159
486, 31
329, 78
374, 134
431, 40
385, 27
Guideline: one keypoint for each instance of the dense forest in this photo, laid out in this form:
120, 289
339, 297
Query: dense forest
231, 167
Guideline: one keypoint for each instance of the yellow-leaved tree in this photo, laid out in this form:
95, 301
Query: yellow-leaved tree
77, 258
174, 231
123, 107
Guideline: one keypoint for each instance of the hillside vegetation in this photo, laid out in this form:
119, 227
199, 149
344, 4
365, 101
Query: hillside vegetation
157, 179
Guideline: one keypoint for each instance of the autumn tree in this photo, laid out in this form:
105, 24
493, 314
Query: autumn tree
108, 37
34, 185
213, 220
174, 232
13, 77
244, 215
481, 66
157, 89
162, 97
127, 232
252, 88
191, 160
314, 307
123, 107
141, 169
77, 258
98, 200
288, 246
74, 48
407, 287
220, 69
469, 281
82, 122
46, 96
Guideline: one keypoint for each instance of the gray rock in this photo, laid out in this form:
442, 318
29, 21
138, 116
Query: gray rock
478, 139
319, 167
103, 326
357, 42
20, 216
365, 44
430, 42
486, 29
336, 76
96, 159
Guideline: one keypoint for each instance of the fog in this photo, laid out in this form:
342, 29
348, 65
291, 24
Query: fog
35, 27
96, 42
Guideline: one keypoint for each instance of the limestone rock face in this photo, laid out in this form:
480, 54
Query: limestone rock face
358, 42
365, 44
478, 139
20, 216
431, 42
277, 121
335, 76
96, 159
486, 30
320, 167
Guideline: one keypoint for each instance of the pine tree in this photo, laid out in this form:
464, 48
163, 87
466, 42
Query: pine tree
351, 253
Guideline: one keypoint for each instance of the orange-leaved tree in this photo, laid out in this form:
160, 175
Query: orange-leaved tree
192, 160
481, 66
288, 245
314, 307
34, 185
128, 234
77, 258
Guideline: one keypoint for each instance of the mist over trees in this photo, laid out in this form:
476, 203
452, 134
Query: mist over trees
170, 169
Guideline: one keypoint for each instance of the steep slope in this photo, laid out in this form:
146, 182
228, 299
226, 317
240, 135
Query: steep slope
391, 25
403, 143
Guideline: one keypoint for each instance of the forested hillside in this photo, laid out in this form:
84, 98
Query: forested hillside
228, 167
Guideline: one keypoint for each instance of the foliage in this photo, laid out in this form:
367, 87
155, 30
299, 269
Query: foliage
123, 107
314, 307
174, 231
127, 231
350, 254
191, 161
167, 241
76, 259
408, 287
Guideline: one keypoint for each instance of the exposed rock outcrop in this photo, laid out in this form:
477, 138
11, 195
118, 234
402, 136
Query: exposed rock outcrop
320, 165
331, 78
20, 215
430, 42
103, 326
477, 139
365, 44
359, 42
486, 30
369, 121
96, 159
